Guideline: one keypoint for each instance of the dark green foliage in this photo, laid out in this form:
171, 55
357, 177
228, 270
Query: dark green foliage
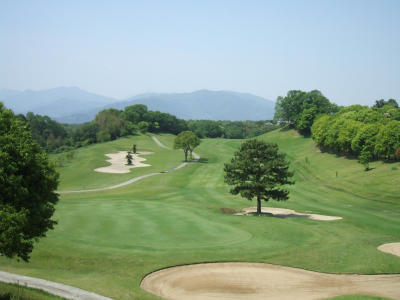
143, 126
129, 158
47, 132
381, 103
357, 127
299, 109
186, 141
258, 171
230, 129
27, 185
109, 124
365, 157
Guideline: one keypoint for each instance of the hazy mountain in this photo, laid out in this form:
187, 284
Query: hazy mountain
56, 103
73, 105
205, 104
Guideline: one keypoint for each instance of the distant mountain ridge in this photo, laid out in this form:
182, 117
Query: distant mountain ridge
73, 105
56, 103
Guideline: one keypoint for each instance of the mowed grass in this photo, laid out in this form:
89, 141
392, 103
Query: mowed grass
17, 292
106, 242
77, 173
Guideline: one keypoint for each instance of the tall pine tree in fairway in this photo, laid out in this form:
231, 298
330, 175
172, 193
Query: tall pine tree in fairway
258, 171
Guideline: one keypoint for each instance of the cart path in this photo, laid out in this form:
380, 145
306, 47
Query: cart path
69, 292
54, 288
159, 143
195, 156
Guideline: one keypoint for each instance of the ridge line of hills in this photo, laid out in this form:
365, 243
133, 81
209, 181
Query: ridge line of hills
74, 105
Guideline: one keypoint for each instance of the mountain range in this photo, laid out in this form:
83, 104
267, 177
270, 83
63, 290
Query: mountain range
74, 105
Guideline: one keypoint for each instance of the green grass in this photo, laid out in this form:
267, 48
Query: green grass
17, 292
106, 242
78, 173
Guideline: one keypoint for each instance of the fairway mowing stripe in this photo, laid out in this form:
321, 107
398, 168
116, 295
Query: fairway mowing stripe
54, 288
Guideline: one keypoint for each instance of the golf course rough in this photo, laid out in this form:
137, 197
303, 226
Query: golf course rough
54, 288
106, 242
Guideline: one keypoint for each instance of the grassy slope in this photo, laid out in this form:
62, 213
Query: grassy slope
78, 173
23, 293
107, 242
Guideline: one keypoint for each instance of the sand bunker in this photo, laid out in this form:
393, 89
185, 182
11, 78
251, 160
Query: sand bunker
284, 213
392, 248
118, 162
262, 281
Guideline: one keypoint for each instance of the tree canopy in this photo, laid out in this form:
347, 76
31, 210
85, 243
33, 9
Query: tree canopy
258, 171
356, 130
27, 184
299, 109
186, 141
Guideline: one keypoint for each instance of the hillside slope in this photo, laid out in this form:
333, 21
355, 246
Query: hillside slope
106, 242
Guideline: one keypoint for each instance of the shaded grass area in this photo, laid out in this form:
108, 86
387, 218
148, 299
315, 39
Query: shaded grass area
17, 292
107, 242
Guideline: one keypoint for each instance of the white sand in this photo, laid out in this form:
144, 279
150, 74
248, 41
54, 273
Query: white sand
255, 281
119, 164
283, 212
392, 248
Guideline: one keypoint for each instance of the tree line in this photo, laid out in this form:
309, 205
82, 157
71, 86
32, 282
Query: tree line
110, 124
369, 133
230, 129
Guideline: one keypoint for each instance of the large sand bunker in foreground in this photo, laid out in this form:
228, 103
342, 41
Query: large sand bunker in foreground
262, 281
118, 162
392, 248
283, 213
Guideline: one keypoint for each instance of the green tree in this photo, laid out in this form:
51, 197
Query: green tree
186, 141
27, 184
129, 158
299, 109
258, 171
365, 158
143, 126
109, 124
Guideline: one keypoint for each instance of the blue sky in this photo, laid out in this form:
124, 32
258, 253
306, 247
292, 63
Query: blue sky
350, 50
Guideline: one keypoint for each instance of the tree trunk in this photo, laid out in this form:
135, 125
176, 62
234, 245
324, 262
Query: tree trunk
186, 153
258, 205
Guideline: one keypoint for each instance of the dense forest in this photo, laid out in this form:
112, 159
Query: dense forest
369, 133
110, 124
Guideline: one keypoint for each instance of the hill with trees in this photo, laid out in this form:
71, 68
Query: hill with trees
369, 133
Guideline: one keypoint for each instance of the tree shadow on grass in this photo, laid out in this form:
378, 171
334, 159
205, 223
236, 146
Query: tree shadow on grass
203, 160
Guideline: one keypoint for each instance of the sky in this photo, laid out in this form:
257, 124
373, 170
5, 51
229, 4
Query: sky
349, 50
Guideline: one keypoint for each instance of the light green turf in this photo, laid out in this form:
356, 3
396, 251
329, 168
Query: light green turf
18, 292
79, 173
107, 242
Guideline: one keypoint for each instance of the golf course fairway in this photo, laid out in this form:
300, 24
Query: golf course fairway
106, 242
